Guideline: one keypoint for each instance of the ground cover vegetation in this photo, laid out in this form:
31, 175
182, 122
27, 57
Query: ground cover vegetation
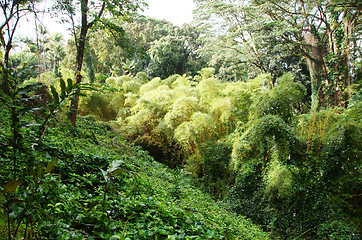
245, 124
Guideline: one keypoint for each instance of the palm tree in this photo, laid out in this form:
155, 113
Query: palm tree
41, 40
55, 52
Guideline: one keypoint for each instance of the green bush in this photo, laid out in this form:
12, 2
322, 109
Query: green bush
301, 181
216, 174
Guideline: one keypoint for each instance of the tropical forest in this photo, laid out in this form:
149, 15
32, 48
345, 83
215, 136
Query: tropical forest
245, 123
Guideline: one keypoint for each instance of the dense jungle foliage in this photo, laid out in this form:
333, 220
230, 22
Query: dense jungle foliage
245, 124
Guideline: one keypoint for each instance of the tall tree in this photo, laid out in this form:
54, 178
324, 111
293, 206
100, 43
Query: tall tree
42, 40
322, 33
56, 51
142, 33
176, 53
168, 57
91, 13
12, 12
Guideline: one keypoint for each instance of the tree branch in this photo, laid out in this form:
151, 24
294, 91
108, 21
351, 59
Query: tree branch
98, 17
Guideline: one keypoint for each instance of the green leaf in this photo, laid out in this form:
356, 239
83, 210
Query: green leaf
63, 89
28, 125
62, 84
70, 86
12, 186
118, 171
55, 94
89, 87
29, 88
51, 165
25, 110
14, 200
77, 94
82, 94
40, 170
105, 175
115, 165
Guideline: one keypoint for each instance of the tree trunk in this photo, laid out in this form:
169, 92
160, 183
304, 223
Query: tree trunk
349, 29
77, 77
79, 61
339, 67
314, 65
80, 55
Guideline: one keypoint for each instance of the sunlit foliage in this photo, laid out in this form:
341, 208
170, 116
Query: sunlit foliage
251, 138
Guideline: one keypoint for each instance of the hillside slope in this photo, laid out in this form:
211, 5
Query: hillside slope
103, 188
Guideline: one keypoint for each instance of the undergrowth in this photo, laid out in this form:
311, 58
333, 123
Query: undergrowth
103, 188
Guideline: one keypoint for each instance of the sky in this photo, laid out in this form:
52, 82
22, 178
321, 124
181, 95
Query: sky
177, 12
